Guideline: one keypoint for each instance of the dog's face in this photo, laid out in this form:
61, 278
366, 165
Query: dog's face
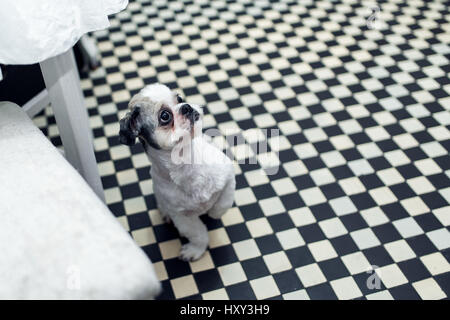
160, 118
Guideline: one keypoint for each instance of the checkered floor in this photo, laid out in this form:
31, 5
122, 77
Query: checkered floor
363, 114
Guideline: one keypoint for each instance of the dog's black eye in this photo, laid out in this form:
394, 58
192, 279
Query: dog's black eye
165, 117
179, 98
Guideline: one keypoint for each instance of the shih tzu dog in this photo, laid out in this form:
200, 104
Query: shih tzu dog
190, 175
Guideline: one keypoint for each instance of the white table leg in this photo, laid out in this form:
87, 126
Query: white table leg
63, 84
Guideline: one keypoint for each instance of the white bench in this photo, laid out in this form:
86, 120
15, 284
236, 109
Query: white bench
57, 239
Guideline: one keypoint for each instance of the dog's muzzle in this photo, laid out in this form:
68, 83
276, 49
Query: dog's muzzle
187, 111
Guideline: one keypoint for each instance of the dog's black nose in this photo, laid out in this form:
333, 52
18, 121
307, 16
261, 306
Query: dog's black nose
186, 109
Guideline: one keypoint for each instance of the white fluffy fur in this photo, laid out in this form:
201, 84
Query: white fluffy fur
184, 191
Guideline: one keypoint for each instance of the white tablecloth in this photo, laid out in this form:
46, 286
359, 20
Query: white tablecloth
34, 30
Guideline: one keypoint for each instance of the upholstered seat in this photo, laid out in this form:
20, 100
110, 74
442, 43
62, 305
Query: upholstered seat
58, 240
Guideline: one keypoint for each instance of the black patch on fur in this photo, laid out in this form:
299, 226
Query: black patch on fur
144, 144
146, 134
131, 127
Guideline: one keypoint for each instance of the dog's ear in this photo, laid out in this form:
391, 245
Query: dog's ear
130, 127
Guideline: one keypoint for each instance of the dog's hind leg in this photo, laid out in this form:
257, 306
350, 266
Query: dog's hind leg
225, 200
191, 227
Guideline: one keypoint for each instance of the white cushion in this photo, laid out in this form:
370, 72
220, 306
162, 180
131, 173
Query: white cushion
57, 239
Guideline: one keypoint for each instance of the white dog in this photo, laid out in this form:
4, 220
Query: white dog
191, 176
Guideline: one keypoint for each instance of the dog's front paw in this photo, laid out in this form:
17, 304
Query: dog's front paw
191, 252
